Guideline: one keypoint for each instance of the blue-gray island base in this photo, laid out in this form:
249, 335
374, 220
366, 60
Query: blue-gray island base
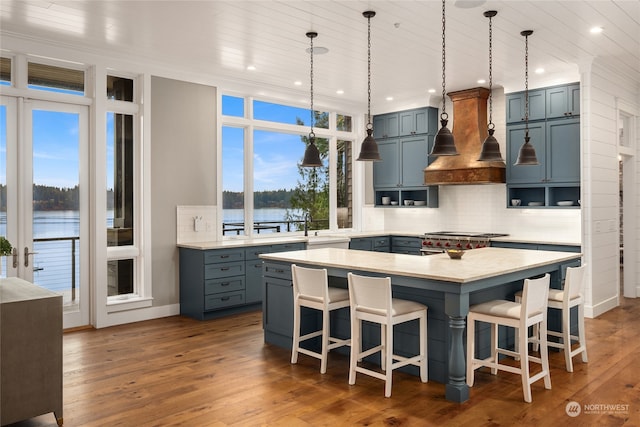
446, 286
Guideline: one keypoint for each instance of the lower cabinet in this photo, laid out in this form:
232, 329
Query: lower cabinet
406, 245
217, 282
378, 243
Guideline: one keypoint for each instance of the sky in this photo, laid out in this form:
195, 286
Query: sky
275, 156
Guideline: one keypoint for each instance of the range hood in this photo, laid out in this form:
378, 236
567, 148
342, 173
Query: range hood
469, 131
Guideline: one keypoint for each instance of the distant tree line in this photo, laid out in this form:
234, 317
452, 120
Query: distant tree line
47, 198
261, 199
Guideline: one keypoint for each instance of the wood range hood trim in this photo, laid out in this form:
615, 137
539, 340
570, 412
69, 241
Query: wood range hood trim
469, 131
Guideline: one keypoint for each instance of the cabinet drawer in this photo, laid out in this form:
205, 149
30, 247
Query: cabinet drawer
280, 271
215, 286
360, 243
288, 247
407, 242
255, 252
213, 271
227, 299
211, 257
381, 242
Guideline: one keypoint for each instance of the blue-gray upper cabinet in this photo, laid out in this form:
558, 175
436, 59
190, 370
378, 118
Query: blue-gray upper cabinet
418, 121
403, 161
563, 101
515, 106
515, 138
386, 126
563, 151
557, 145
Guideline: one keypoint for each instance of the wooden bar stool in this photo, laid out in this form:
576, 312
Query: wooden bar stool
532, 310
311, 289
564, 300
371, 300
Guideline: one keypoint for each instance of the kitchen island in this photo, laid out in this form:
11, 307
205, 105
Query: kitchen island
448, 287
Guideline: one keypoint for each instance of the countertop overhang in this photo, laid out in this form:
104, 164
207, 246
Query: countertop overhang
475, 265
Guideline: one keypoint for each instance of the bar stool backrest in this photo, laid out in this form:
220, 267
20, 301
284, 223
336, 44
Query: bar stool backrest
534, 296
574, 282
370, 294
310, 283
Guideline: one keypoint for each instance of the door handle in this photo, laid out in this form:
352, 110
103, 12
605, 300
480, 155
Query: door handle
26, 256
15, 257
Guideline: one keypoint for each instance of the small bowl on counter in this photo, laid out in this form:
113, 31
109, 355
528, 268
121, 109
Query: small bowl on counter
455, 253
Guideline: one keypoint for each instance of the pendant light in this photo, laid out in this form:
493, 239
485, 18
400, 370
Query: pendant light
369, 148
443, 144
527, 154
311, 154
490, 148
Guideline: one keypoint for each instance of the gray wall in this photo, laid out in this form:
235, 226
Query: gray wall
183, 160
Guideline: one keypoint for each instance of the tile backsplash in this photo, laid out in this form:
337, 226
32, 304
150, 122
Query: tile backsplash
196, 224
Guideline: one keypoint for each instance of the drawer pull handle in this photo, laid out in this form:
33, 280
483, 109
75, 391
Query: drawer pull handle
224, 268
258, 265
224, 256
225, 284
279, 270
225, 298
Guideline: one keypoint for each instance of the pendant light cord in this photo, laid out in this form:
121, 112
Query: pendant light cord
526, 86
311, 134
369, 125
491, 125
444, 114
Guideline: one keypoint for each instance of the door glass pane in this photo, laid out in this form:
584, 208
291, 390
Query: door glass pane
56, 207
232, 181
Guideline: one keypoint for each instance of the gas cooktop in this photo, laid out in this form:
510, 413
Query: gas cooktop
465, 234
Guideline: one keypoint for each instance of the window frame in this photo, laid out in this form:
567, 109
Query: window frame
250, 125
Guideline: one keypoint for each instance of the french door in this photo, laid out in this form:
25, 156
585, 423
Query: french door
46, 185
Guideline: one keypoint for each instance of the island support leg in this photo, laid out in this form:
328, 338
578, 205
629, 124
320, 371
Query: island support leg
457, 308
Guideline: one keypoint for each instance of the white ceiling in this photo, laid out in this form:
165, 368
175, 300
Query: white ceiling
222, 38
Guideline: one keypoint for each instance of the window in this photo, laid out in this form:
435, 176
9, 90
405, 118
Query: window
284, 196
55, 79
123, 277
119, 88
5, 71
232, 106
233, 180
286, 114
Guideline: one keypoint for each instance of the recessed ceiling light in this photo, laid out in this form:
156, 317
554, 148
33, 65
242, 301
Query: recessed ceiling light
431, 91
481, 81
339, 91
297, 83
539, 70
389, 98
596, 30
251, 67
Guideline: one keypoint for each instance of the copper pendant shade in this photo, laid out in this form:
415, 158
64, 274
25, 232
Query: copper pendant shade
311, 153
369, 148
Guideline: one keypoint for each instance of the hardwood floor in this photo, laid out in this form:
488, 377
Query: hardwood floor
177, 371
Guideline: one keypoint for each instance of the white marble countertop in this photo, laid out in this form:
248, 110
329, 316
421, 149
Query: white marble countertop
240, 241
475, 265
